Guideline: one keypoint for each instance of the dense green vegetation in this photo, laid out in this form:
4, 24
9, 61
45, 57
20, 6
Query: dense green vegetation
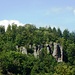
13, 62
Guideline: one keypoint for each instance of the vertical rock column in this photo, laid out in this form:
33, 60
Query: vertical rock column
55, 51
35, 53
61, 53
24, 50
38, 51
16, 47
47, 48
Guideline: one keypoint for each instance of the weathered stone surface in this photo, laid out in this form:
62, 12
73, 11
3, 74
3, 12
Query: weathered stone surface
58, 52
16, 47
55, 51
35, 53
23, 50
61, 53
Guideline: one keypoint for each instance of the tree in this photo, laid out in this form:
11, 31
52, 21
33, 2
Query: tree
16, 63
13, 62
44, 66
9, 33
72, 37
59, 33
66, 34
14, 32
54, 34
71, 53
64, 69
2, 29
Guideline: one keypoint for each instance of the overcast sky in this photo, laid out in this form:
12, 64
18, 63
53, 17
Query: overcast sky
54, 13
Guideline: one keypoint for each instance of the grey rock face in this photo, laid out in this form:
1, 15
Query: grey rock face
16, 47
23, 50
35, 52
57, 52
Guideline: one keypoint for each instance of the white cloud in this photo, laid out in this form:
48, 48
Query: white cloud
59, 10
74, 11
69, 8
54, 10
7, 22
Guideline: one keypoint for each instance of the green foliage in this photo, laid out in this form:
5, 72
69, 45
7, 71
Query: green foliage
71, 53
16, 63
45, 66
64, 69
13, 62
66, 34
2, 29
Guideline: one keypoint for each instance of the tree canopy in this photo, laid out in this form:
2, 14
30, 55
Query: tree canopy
13, 62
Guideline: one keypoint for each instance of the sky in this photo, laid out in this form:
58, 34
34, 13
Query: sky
41, 13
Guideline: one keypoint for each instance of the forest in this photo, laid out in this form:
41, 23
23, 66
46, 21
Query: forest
13, 62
